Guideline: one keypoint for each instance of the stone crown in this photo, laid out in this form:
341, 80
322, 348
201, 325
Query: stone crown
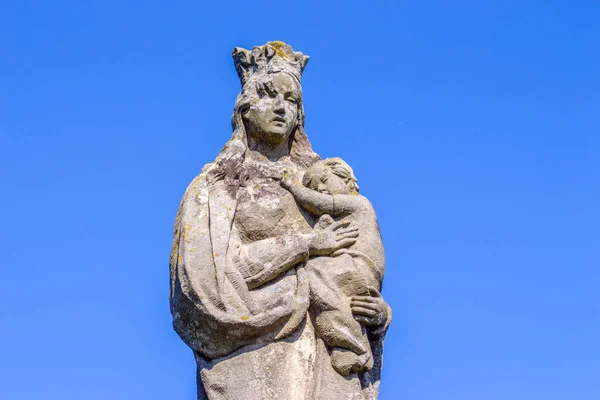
269, 58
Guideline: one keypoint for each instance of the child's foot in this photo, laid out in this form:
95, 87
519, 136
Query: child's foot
345, 362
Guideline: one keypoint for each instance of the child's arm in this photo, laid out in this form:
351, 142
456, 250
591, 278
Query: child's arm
320, 203
313, 201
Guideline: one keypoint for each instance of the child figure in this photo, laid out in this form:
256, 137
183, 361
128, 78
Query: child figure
347, 282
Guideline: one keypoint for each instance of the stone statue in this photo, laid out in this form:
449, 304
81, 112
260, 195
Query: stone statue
277, 260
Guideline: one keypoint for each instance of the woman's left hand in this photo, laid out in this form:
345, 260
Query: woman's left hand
369, 310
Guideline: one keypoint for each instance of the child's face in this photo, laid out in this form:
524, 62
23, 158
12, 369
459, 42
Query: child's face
325, 181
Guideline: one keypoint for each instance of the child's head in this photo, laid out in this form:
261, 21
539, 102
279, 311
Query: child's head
332, 176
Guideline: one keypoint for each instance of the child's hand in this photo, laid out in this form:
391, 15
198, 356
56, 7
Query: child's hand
289, 179
369, 310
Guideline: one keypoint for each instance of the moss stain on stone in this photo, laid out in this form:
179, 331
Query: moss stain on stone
278, 46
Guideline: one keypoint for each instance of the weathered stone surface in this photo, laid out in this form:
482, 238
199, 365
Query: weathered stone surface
277, 260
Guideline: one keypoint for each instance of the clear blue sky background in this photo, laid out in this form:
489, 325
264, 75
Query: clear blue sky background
473, 126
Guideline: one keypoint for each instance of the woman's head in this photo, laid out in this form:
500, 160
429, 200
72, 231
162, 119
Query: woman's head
269, 107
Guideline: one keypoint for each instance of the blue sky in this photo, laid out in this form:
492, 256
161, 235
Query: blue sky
473, 127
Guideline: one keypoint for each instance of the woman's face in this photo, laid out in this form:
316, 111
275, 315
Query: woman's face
273, 113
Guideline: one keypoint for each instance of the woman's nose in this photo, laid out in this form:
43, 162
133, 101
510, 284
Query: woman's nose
279, 104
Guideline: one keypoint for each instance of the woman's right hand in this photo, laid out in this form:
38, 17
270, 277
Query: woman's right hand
324, 241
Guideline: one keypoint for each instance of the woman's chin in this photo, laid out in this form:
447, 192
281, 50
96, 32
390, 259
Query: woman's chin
274, 136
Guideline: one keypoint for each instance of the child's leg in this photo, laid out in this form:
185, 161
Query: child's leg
330, 309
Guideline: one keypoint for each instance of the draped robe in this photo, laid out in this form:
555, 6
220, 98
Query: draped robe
249, 327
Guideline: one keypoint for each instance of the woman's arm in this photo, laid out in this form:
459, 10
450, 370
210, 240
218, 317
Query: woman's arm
264, 260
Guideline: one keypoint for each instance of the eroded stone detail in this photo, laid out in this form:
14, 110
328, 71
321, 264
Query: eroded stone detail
277, 260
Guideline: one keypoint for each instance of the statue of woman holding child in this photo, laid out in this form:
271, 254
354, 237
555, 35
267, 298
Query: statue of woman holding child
277, 260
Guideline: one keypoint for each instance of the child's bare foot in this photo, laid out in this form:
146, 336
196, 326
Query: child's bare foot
345, 362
